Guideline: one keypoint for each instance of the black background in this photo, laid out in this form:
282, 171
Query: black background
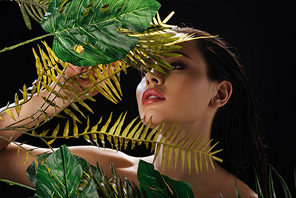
261, 33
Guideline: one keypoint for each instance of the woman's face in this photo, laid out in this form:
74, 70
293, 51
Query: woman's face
182, 95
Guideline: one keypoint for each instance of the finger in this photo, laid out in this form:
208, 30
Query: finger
83, 69
76, 68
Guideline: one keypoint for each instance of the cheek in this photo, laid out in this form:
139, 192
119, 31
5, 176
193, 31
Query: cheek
186, 102
190, 102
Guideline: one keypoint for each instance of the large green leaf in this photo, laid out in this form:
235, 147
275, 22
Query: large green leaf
46, 185
154, 185
180, 189
32, 169
93, 25
89, 191
61, 176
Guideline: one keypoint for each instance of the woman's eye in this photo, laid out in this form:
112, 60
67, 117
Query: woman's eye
177, 66
143, 72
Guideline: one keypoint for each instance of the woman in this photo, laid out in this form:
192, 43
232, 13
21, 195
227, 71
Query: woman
206, 92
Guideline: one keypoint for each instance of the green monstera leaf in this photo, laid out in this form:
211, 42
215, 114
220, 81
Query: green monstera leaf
92, 26
61, 175
157, 185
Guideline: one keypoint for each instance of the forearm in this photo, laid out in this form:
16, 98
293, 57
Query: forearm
30, 113
27, 118
14, 163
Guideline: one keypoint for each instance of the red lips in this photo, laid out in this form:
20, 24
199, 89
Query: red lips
151, 96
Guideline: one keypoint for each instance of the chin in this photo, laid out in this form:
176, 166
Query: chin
155, 119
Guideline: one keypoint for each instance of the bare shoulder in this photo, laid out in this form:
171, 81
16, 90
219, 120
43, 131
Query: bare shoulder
125, 165
94, 154
224, 182
12, 166
244, 190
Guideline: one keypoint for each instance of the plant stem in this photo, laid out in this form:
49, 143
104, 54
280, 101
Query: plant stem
17, 184
26, 42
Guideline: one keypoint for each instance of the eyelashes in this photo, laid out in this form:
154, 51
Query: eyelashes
178, 66
175, 65
143, 72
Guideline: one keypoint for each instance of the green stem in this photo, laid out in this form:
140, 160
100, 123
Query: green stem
24, 43
17, 184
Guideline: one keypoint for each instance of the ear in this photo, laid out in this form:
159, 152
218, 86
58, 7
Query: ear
222, 95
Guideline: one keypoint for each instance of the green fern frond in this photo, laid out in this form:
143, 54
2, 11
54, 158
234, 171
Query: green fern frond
35, 9
137, 132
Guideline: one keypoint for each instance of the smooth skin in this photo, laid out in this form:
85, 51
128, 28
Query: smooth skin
191, 99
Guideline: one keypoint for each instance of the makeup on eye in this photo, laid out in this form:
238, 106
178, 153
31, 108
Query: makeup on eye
178, 65
143, 72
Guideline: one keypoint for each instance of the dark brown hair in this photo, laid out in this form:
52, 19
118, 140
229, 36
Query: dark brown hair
235, 124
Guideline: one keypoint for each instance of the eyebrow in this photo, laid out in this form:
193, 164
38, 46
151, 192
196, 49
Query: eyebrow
182, 54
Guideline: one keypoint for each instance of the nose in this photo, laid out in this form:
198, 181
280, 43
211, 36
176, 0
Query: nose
156, 79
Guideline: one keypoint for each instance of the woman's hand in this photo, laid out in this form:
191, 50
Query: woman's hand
74, 70
37, 101
34, 104
83, 82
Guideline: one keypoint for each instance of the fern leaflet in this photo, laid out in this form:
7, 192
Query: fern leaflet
138, 133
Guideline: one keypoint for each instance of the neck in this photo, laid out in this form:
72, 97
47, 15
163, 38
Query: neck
189, 161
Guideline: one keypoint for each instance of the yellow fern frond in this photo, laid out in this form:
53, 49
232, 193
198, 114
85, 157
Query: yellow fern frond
139, 133
104, 78
10, 114
158, 40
